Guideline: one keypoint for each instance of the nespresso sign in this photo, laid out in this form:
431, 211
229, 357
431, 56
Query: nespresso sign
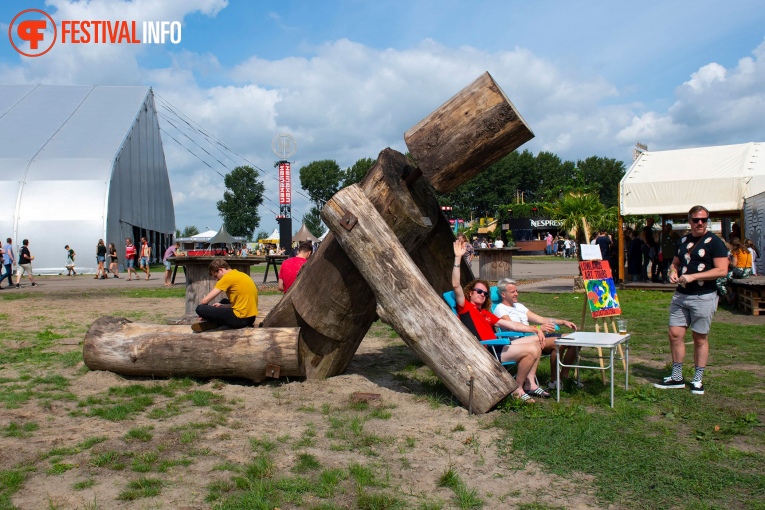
534, 223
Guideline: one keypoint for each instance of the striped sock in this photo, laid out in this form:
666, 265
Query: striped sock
677, 371
699, 374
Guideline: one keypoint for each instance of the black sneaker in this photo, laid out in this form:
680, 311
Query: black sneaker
202, 326
668, 383
697, 388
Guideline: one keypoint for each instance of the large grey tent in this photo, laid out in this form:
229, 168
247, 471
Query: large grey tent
79, 164
304, 235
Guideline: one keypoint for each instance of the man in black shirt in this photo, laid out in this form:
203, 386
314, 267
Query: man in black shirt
701, 257
604, 243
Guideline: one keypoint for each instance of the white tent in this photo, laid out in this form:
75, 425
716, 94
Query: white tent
671, 182
204, 237
79, 164
272, 239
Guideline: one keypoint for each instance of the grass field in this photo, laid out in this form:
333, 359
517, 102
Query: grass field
654, 449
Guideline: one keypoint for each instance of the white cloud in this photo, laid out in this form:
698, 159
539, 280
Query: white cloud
716, 106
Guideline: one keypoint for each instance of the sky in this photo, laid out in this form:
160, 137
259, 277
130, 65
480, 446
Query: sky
347, 78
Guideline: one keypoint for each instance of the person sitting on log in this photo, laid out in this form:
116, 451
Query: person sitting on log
241, 307
512, 310
473, 309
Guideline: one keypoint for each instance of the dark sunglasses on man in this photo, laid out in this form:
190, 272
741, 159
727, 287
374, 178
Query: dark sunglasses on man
699, 220
482, 292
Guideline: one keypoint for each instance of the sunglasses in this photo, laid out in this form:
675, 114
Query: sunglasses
482, 292
699, 220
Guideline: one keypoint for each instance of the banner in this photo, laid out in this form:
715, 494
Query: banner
600, 287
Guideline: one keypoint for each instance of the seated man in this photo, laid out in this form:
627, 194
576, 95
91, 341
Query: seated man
291, 266
241, 307
473, 309
510, 309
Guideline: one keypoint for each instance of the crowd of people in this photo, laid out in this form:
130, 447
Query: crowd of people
23, 266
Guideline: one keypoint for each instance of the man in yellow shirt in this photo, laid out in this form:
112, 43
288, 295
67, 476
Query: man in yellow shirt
241, 307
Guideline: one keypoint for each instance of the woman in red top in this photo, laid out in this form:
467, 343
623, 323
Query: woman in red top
474, 310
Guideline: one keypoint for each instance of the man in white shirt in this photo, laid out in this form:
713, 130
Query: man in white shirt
499, 243
511, 309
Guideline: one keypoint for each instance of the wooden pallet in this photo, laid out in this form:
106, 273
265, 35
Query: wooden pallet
751, 305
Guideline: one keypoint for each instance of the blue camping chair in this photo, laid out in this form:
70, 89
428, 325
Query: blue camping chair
503, 338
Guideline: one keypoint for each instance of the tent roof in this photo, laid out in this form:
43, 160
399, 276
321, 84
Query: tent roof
671, 182
304, 235
204, 236
273, 238
223, 237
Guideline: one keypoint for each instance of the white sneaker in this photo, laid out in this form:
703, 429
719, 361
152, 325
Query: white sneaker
697, 388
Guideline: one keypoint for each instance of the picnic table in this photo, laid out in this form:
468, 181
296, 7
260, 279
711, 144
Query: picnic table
495, 263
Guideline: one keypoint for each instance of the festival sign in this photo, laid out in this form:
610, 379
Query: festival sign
600, 287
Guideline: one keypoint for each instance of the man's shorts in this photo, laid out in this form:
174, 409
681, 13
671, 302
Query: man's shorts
131, 263
693, 311
22, 268
144, 262
168, 265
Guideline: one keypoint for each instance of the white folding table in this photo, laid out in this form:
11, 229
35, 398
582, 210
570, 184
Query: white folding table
608, 341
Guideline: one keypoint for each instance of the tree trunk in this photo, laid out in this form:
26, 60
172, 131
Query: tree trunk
416, 312
330, 301
471, 131
150, 350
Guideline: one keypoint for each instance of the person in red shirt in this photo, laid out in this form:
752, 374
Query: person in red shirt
291, 266
130, 252
473, 309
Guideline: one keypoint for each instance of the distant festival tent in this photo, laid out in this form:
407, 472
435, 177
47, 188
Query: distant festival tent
304, 235
223, 237
272, 239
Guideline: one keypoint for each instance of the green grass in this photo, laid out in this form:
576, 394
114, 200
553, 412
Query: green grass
655, 449
141, 488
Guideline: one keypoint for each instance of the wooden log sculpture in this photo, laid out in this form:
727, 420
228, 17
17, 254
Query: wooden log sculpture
467, 134
416, 312
330, 301
333, 327
150, 350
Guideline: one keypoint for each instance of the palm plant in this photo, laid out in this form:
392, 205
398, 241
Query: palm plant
582, 213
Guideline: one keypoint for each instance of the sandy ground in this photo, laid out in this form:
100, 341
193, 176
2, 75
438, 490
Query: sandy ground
417, 444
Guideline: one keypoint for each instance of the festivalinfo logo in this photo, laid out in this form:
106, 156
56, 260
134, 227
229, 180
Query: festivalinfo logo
37, 29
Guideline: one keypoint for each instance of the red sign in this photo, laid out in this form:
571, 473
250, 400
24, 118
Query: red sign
285, 184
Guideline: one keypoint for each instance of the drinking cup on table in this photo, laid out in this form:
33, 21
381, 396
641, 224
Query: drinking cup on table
622, 325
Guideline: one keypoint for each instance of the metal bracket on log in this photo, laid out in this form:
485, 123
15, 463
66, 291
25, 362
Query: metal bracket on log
348, 221
273, 370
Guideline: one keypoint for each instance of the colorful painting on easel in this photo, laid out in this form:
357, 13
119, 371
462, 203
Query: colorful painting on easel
600, 287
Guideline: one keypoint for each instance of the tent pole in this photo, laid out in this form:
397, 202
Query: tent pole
620, 233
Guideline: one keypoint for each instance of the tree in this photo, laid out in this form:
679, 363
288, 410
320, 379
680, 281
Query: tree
579, 212
243, 196
321, 179
358, 171
188, 231
262, 234
603, 175
313, 222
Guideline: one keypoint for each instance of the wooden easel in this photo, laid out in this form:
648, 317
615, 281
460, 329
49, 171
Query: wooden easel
603, 323
600, 322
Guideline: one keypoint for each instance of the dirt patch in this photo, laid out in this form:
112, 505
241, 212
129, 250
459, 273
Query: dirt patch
193, 436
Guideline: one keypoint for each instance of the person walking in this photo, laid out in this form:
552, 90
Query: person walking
130, 252
114, 266
172, 251
9, 260
701, 257
70, 255
145, 257
100, 259
25, 264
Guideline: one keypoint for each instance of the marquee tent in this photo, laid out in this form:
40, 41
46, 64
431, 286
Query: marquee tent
79, 164
272, 239
671, 182
304, 235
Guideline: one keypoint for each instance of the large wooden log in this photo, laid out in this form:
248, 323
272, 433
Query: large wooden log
150, 350
467, 134
416, 312
330, 302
